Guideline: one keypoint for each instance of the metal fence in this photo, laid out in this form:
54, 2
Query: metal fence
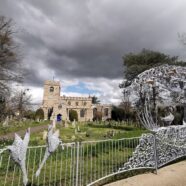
91, 162
80, 163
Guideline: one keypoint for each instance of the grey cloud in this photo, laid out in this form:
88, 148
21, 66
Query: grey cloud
87, 38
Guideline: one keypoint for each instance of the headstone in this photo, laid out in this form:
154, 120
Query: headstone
73, 138
66, 124
74, 124
78, 129
5, 123
44, 135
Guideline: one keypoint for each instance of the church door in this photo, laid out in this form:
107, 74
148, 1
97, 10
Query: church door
59, 117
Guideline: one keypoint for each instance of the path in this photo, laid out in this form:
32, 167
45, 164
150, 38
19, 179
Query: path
22, 132
172, 175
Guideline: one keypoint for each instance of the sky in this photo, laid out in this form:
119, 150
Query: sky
81, 42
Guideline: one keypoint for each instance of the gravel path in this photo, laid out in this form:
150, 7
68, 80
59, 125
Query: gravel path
22, 132
172, 175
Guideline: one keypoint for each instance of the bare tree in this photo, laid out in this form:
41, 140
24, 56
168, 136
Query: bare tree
9, 58
9, 62
20, 102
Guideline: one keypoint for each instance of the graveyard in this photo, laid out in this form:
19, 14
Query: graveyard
82, 131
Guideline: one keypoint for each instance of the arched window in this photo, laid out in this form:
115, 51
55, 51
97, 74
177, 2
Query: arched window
106, 112
69, 103
51, 89
77, 103
82, 113
84, 103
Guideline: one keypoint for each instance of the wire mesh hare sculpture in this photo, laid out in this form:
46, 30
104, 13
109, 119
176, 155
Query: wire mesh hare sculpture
18, 153
53, 142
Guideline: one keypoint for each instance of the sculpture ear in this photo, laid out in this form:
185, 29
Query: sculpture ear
27, 137
17, 137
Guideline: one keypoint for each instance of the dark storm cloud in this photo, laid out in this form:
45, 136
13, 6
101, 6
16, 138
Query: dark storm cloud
87, 38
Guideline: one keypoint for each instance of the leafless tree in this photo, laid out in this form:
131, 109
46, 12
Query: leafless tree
9, 62
20, 102
9, 58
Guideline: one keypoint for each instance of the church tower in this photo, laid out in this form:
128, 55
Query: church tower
51, 97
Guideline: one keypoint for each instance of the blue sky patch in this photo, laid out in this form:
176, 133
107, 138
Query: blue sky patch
80, 88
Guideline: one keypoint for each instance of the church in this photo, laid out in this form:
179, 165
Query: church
56, 106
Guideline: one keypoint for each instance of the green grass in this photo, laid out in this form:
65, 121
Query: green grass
89, 133
15, 126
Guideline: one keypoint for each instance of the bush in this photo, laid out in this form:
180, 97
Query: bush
88, 133
29, 114
73, 115
117, 114
39, 114
97, 116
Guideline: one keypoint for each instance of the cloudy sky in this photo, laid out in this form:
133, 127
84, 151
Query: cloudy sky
81, 42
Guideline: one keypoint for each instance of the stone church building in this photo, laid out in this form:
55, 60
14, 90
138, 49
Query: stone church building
56, 106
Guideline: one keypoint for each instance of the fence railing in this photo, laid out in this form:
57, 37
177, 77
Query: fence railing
89, 162
80, 163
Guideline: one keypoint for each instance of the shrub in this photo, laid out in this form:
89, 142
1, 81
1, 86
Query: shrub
73, 115
117, 114
97, 116
88, 133
29, 114
39, 114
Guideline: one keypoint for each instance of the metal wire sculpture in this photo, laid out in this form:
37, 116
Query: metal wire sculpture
146, 118
18, 153
53, 142
168, 119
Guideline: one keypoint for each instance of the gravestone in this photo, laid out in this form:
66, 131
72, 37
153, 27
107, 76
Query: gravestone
5, 123
66, 124
74, 124
44, 135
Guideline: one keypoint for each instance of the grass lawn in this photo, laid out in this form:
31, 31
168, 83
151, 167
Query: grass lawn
15, 126
90, 132
87, 131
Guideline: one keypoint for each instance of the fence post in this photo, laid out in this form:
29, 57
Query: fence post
77, 163
155, 153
